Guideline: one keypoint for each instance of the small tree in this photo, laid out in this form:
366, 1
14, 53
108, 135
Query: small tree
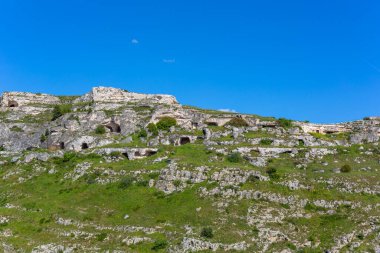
207, 232
166, 123
100, 129
237, 122
345, 168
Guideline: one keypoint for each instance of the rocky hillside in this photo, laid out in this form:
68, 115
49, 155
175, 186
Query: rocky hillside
117, 171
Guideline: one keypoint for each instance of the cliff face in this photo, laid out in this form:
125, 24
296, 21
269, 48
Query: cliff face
129, 112
17, 99
114, 95
129, 172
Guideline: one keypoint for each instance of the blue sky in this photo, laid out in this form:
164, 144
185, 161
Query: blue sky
304, 60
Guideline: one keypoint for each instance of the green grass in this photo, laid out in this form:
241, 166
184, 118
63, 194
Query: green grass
45, 197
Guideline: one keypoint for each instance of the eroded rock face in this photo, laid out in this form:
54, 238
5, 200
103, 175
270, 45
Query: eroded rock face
18, 99
367, 136
258, 198
114, 95
194, 245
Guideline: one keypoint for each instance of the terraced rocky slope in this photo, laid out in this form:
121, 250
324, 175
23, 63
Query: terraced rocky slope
116, 171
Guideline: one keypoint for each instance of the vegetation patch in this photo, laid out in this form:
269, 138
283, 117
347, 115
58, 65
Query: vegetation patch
237, 122
60, 110
166, 123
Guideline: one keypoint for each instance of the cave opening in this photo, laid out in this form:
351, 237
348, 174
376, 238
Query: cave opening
184, 140
12, 104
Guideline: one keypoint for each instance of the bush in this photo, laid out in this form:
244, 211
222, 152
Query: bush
360, 236
100, 237
285, 123
152, 128
345, 168
166, 123
142, 133
272, 173
234, 158
126, 182
252, 178
143, 183
177, 183
266, 142
100, 129
237, 122
43, 138
16, 129
60, 110
159, 244
68, 156
115, 154
207, 232
154, 175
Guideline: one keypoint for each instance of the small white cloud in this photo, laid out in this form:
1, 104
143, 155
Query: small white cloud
227, 110
169, 61
134, 41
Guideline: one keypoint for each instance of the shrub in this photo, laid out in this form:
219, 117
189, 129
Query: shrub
100, 129
43, 138
154, 175
234, 158
237, 122
142, 133
60, 110
177, 183
143, 183
100, 237
311, 207
56, 113
152, 128
16, 129
166, 123
68, 156
345, 168
266, 142
252, 178
360, 236
159, 244
207, 232
285, 123
115, 154
291, 246
126, 182
159, 194
272, 173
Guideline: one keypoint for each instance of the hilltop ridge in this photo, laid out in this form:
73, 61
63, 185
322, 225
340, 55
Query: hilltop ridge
117, 171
